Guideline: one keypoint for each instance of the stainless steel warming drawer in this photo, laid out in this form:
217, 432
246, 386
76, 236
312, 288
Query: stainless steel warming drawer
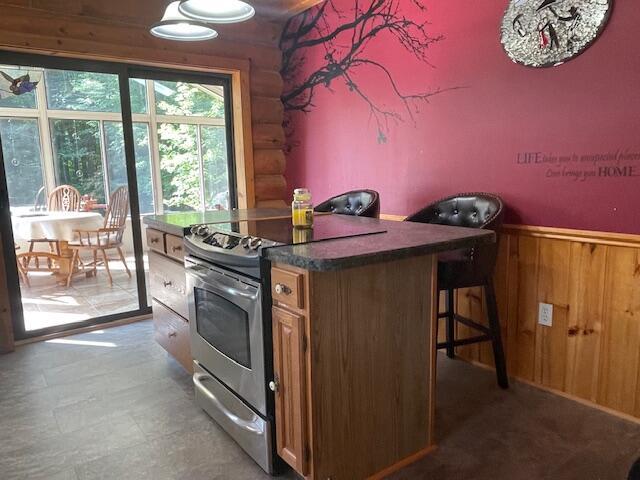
249, 429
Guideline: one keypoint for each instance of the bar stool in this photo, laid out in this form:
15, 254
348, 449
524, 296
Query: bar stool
469, 268
360, 203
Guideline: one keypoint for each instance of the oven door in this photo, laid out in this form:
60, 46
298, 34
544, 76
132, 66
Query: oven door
225, 317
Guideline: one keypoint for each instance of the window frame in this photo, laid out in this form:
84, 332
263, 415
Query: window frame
44, 115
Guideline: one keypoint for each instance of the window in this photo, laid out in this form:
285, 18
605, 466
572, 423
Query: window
186, 99
22, 160
138, 91
192, 146
82, 91
179, 128
116, 161
77, 156
179, 167
216, 174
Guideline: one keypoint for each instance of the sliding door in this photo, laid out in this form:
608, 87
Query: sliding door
72, 191
127, 142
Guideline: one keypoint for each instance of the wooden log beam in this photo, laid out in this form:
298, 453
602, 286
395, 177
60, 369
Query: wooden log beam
270, 187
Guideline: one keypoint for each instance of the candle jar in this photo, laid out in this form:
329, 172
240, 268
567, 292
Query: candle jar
302, 209
302, 235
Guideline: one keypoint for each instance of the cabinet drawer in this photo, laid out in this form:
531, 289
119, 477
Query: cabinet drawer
174, 247
155, 240
172, 332
168, 283
287, 287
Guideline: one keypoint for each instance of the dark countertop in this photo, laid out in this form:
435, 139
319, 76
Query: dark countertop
402, 240
176, 223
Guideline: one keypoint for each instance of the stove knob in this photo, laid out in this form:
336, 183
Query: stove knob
203, 230
246, 241
255, 243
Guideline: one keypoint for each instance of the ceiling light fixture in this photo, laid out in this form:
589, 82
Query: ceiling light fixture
175, 26
217, 11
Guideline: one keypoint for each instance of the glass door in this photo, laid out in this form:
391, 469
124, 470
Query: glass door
74, 211
187, 118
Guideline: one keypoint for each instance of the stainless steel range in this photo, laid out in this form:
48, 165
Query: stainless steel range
228, 332
230, 321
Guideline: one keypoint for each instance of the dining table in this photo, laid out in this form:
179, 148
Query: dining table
58, 227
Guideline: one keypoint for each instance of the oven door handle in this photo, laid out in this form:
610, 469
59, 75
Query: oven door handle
250, 427
223, 284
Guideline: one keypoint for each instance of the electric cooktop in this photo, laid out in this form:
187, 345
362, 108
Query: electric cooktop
282, 232
237, 244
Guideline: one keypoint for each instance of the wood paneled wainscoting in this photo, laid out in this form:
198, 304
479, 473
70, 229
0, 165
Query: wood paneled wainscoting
592, 279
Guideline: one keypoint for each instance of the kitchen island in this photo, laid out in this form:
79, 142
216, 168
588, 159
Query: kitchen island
354, 326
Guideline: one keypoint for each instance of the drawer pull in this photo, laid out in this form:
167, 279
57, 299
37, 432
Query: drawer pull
167, 284
154, 240
173, 334
176, 249
282, 289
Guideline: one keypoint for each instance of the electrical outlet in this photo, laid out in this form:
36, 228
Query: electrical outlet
545, 314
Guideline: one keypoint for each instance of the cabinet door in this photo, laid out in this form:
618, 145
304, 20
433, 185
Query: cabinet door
291, 394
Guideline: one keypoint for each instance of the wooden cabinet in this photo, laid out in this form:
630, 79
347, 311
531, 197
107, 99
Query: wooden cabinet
175, 247
155, 240
168, 285
354, 364
290, 385
172, 332
287, 288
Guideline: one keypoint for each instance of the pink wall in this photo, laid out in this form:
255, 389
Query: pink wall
469, 138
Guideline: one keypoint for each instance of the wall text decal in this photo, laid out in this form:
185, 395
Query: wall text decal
583, 167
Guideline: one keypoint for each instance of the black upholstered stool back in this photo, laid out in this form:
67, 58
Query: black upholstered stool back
361, 203
471, 210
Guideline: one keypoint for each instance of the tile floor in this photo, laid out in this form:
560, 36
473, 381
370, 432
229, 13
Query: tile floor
112, 404
47, 304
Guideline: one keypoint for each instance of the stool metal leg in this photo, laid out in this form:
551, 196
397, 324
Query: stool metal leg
451, 313
494, 326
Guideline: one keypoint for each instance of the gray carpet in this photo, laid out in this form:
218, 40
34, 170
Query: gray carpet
113, 405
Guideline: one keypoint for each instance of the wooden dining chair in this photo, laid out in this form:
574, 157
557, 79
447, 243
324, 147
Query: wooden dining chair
22, 271
109, 237
64, 198
31, 262
40, 204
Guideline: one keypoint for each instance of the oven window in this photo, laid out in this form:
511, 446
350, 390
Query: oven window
224, 325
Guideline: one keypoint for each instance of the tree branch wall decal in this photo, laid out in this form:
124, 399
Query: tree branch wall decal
344, 35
